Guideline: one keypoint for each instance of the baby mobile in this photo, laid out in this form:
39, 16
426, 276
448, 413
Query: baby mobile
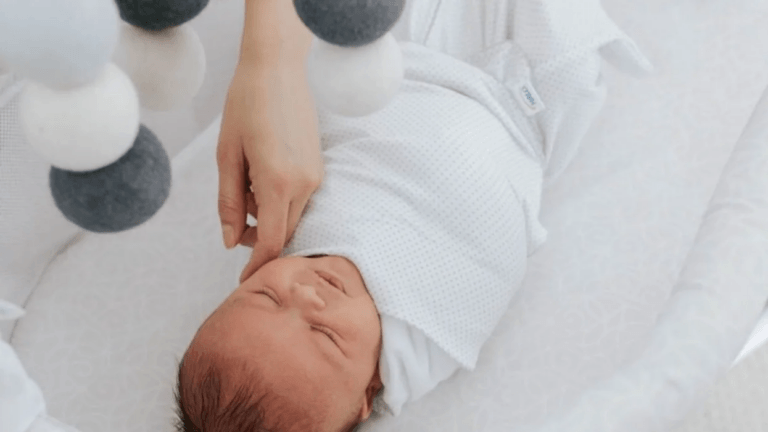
90, 65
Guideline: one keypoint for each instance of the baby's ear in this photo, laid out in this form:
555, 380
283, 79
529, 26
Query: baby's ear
373, 389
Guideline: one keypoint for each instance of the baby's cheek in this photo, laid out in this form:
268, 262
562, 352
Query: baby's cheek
368, 334
365, 320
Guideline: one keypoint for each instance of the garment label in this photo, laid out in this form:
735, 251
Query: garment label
528, 98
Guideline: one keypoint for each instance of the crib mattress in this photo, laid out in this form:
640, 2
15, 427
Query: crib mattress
113, 314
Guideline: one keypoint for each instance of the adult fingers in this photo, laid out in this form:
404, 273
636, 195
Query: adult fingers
272, 217
249, 235
250, 204
295, 212
232, 188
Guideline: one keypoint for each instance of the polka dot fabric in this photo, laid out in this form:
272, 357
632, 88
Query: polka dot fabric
565, 42
434, 200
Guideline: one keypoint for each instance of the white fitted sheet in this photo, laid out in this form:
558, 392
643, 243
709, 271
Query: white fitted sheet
112, 314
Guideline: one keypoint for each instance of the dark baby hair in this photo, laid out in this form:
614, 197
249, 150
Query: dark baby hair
199, 404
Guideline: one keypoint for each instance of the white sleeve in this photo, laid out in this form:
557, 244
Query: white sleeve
22, 407
411, 365
21, 400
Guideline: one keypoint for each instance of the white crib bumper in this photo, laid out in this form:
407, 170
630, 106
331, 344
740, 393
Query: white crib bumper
719, 297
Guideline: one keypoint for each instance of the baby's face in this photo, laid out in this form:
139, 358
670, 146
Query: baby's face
310, 326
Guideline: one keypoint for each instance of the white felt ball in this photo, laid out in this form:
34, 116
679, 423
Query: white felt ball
167, 66
355, 81
62, 44
82, 129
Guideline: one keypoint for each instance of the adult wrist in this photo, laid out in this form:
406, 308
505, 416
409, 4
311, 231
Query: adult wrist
274, 37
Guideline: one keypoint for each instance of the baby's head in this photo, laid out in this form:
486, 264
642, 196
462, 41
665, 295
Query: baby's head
294, 348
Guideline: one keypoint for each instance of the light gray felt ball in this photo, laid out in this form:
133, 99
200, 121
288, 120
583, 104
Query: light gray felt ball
119, 196
159, 14
349, 23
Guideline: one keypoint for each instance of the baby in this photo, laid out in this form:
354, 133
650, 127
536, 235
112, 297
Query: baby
413, 247
295, 347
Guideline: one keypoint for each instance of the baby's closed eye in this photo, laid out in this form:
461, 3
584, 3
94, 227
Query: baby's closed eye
327, 332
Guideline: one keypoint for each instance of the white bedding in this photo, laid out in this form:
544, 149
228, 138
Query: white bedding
113, 313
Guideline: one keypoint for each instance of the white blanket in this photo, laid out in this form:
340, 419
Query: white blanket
22, 406
436, 198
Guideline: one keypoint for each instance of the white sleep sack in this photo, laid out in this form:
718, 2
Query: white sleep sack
412, 361
436, 197
436, 203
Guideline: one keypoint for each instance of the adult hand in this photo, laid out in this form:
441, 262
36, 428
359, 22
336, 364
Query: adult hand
269, 155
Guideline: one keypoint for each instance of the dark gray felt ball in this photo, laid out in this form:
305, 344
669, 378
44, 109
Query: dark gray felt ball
159, 14
349, 23
119, 196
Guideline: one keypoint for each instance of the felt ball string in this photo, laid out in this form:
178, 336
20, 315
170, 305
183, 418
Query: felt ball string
167, 66
349, 23
61, 44
119, 196
85, 128
355, 66
91, 65
87, 75
159, 14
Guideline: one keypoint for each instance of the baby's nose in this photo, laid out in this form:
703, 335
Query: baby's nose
306, 296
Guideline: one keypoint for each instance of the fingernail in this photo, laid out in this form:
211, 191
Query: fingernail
229, 236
